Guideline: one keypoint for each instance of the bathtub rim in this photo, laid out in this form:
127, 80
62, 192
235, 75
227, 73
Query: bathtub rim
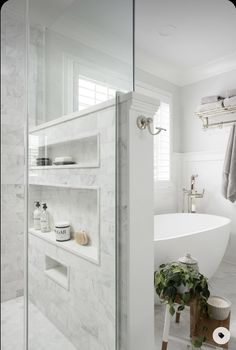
226, 223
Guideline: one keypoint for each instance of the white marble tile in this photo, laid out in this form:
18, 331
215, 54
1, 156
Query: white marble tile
42, 333
12, 200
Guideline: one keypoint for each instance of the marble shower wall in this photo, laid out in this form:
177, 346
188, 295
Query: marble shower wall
12, 107
86, 312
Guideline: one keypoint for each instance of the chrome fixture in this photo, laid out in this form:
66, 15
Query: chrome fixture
144, 122
192, 194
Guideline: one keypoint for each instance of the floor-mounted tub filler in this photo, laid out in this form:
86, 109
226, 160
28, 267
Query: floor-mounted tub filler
204, 236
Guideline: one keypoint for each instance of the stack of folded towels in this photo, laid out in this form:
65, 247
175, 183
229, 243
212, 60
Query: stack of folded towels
210, 103
217, 102
230, 100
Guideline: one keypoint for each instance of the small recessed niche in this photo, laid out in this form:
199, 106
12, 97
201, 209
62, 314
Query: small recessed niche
57, 271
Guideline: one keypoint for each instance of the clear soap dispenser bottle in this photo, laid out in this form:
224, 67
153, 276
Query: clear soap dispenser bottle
44, 219
37, 216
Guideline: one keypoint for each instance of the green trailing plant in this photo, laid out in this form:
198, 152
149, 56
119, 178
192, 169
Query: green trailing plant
175, 282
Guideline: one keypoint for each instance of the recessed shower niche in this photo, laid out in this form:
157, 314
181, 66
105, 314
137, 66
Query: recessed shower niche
83, 150
77, 205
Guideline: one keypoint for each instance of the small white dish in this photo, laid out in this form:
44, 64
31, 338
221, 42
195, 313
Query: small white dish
64, 159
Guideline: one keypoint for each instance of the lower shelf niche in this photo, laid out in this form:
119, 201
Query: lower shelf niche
58, 272
78, 205
89, 253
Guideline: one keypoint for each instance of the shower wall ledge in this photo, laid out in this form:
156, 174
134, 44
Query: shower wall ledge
86, 252
137, 99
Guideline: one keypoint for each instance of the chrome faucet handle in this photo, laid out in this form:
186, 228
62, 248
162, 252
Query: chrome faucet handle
198, 195
194, 176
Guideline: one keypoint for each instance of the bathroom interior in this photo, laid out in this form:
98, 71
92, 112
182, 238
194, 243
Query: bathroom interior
118, 157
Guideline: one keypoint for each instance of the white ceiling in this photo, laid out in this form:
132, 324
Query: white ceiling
203, 35
202, 41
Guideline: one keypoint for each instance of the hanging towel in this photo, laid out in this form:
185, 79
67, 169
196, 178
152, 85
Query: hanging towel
229, 171
231, 93
210, 99
230, 102
210, 106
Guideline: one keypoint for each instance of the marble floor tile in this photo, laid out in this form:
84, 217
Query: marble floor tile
43, 335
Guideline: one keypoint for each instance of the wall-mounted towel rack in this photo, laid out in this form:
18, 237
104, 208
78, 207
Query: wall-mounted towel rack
218, 117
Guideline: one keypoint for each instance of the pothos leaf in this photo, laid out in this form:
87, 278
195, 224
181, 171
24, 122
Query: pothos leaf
172, 310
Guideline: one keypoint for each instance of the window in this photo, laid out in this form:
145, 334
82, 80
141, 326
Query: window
162, 144
92, 92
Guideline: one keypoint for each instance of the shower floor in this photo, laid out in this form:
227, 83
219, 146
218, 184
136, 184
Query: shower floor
42, 334
223, 283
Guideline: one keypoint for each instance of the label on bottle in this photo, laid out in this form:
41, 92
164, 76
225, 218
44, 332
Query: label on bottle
37, 223
44, 223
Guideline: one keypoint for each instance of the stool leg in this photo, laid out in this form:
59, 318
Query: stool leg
177, 317
166, 329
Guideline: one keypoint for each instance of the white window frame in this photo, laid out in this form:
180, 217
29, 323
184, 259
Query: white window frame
71, 70
166, 97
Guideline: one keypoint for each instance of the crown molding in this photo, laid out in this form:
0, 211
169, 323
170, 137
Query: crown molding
211, 69
183, 77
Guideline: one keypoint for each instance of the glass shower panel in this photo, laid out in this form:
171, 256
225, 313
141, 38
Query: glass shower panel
79, 57
13, 77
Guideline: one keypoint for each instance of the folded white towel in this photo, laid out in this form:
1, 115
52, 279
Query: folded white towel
229, 172
231, 93
210, 106
230, 102
210, 99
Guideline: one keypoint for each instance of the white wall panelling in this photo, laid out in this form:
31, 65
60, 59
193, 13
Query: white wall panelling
209, 167
205, 150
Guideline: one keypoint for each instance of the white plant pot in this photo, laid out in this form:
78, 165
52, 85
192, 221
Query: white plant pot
218, 308
182, 289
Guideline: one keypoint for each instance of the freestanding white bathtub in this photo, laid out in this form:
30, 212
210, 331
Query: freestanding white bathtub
204, 236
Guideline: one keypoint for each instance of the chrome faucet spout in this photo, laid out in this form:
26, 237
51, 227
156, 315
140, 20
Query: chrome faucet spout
192, 195
193, 181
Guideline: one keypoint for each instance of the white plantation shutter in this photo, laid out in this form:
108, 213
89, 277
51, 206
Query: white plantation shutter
162, 144
92, 92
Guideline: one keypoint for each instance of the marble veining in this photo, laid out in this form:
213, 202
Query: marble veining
12, 122
86, 314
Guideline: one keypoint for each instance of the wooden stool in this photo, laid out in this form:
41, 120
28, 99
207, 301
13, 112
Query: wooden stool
203, 326
200, 326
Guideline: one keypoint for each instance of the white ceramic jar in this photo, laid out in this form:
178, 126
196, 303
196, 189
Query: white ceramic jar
218, 308
62, 231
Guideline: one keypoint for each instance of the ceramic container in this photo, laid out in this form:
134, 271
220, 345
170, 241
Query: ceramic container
218, 308
62, 231
188, 260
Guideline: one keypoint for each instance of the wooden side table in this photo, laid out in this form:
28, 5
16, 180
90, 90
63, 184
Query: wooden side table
200, 326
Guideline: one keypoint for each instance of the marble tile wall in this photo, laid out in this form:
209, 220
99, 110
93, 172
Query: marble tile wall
86, 313
12, 112
36, 76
